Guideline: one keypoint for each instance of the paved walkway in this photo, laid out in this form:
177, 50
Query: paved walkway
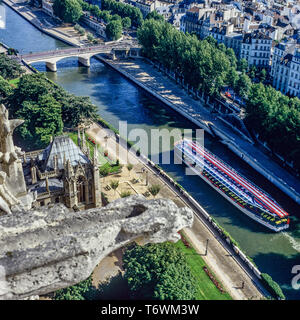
219, 258
154, 80
46, 24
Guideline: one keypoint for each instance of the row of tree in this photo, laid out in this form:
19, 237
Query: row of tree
115, 23
203, 65
123, 10
276, 118
208, 67
45, 107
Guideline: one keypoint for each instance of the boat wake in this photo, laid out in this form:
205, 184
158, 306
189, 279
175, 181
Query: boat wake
295, 244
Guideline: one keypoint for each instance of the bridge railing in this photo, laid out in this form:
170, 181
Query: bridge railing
70, 51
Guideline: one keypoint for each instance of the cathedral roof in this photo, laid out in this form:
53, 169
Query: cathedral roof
65, 149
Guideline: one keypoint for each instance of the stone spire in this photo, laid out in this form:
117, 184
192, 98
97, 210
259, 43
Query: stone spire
95, 160
69, 169
84, 146
78, 138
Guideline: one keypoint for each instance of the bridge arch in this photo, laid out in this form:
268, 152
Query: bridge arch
83, 54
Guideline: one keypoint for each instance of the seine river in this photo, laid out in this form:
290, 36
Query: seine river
118, 99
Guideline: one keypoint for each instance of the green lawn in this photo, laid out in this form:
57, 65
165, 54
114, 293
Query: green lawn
206, 288
14, 82
74, 137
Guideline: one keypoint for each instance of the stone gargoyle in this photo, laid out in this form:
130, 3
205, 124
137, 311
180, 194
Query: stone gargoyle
50, 248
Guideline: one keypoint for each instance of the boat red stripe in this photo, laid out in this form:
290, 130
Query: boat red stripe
268, 202
271, 205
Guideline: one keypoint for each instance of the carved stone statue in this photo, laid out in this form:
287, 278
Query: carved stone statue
12, 182
50, 248
7, 199
8, 152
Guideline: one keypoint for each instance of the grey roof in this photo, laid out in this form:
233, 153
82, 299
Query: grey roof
54, 185
63, 147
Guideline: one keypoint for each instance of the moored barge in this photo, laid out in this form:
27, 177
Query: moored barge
242, 193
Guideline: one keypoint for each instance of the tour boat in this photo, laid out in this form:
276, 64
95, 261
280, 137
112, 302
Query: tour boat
242, 193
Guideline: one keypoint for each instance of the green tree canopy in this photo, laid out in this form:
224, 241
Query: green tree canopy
114, 30
126, 23
243, 85
201, 63
9, 68
6, 89
67, 10
45, 106
123, 10
154, 15
42, 120
276, 118
158, 271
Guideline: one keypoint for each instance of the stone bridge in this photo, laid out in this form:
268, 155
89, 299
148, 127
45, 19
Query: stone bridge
84, 54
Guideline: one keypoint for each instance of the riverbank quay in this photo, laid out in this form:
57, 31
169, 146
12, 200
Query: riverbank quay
143, 74
230, 265
39, 19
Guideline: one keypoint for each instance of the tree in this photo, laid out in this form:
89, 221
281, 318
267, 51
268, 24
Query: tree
154, 189
123, 10
243, 85
9, 68
252, 72
126, 23
75, 109
263, 75
77, 292
113, 30
242, 65
114, 185
12, 51
116, 17
42, 120
154, 15
90, 37
45, 106
6, 89
158, 271
68, 10
232, 77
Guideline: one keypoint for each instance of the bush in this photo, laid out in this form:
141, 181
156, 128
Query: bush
154, 189
273, 286
104, 171
125, 194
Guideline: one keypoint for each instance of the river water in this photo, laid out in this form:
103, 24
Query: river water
118, 99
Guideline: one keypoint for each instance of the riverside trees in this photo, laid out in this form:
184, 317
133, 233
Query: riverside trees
158, 271
206, 66
113, 30
46, 108
276, 118
123, 10
202, 65
67, 10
